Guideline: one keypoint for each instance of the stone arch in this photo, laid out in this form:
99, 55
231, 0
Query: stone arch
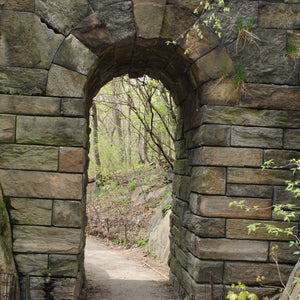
68, 51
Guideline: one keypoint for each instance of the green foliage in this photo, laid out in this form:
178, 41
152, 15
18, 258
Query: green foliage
240, 76
132, 185
240, 293
117, 241
291, 47
141, 242
165, 209
244, 25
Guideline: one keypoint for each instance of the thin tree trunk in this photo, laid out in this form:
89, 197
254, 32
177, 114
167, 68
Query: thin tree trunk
95, 136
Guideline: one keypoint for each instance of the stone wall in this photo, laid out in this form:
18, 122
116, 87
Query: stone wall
56, 55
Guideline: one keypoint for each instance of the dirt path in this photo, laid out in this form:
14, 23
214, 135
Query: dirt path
111, 276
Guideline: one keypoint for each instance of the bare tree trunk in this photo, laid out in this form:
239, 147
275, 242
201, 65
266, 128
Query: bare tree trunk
94, 115
129, 162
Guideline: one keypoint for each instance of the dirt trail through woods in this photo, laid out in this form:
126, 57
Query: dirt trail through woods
112, 276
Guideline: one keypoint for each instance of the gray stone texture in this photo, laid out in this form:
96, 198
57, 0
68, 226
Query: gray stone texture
292, 139
7, 129
32, 264
72, 107
67, 213
72, 160
63, 265
245, 190
22, 5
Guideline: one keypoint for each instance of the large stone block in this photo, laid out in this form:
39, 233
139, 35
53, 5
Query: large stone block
281, 158
22, 5
23, 81
258, 176
72, 160
12, 104
63, 265
182, 167
292, 139
72, 107
7, 128
252, 190
256, 137
219, 206
38, 239
67, 56
31, 211
63, 16
208, 180
284, 253
27, 157
67, 213
51, 131
32, 264
237, 229
250, 117
65, 83
28, 42
182, 186
41, 184
227, 156
248, 273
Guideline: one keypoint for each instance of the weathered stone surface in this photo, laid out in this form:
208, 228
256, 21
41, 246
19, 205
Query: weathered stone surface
27, 157
65, 83
248, 272
67, 213
220, 92
281, 158
41, 184
218, 206
182, 186
237, 229
73, 107
271, 97
7, 128
204, 227
292, 139
27, 42
225, 249
221, 156
210, 66
72, 159
22, 5
282, 196
63, 16
23, 81
12, 104
208, 180
179, 207
180, 149
258, 176
209, 135
38, 239
67, 56
63, 265
279, 15
182, 167
200, 269
51, 131
243, 190
284, 253
148, 17
32, 264
250, 117
256, 137
31, 211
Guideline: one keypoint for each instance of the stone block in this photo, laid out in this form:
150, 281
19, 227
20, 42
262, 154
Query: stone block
182, 186
210, 66
32, 264
279, 15
72, 160
182, 167
180, 149
38, 239
65, 83
271, 97
27, 157
67, 56
284, 253
25, 35
204, 227
237, 229
219, 206
179, 207
200, 269
208, 180
41, 184
226, 115
256, 137
282, 196
63, 265
292, 139
63, 16
248, 272
67, 213
23, 81
59, 131
208, 135
225, 249
281, 158
22, 5
72, 107
253, 190
220, 92
31, 211
7, 128
13, 104
258, 176
148, 18
226, 156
